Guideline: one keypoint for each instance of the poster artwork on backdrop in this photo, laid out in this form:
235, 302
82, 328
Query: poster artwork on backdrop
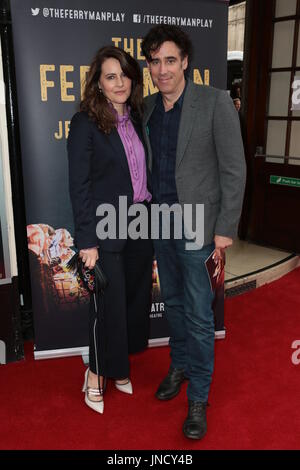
54, 44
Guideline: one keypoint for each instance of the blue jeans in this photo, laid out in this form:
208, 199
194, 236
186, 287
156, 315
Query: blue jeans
188, 300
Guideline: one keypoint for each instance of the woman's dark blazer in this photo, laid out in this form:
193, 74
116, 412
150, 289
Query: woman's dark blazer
98, 173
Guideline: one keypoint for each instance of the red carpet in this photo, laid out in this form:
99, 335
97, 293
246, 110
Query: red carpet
254, 396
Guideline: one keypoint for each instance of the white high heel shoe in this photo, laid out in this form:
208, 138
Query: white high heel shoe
126, 388
97, 406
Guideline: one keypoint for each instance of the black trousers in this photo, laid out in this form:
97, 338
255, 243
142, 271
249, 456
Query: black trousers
125, 306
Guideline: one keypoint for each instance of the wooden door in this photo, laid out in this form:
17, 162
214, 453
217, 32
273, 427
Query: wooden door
271, 214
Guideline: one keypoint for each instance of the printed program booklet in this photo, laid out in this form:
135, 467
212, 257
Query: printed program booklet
215, 269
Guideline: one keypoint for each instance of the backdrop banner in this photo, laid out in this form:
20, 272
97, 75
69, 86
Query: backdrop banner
8, 350
6, 321
54, 43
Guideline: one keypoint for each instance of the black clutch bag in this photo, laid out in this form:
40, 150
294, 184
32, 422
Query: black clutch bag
93, 279
100, 277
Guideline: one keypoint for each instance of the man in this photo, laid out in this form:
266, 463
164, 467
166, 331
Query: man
237, 103
195, 157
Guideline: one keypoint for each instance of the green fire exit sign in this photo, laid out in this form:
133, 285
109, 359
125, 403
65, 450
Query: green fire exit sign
285, 181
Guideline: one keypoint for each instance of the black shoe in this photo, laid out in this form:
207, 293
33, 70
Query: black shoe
195, 425
170, 386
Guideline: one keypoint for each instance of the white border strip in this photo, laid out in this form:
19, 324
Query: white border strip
220, 334
6, 280
84, 351
152, 343
55, 353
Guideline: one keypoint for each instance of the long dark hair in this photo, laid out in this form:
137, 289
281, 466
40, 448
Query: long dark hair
95, 103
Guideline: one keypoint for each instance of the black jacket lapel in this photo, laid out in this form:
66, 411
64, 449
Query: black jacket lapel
116, 143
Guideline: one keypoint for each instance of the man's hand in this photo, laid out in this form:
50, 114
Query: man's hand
221, 244
89, 257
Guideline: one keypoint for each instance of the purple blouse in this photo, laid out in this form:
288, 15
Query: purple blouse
135, 154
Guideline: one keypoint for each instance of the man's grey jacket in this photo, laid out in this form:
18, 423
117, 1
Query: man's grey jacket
210, 162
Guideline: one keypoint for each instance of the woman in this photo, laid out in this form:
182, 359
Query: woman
107, 160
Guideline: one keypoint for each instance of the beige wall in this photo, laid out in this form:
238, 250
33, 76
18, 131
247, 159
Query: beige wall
236, 27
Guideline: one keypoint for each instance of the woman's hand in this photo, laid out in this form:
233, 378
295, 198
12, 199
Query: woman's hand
89, 257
